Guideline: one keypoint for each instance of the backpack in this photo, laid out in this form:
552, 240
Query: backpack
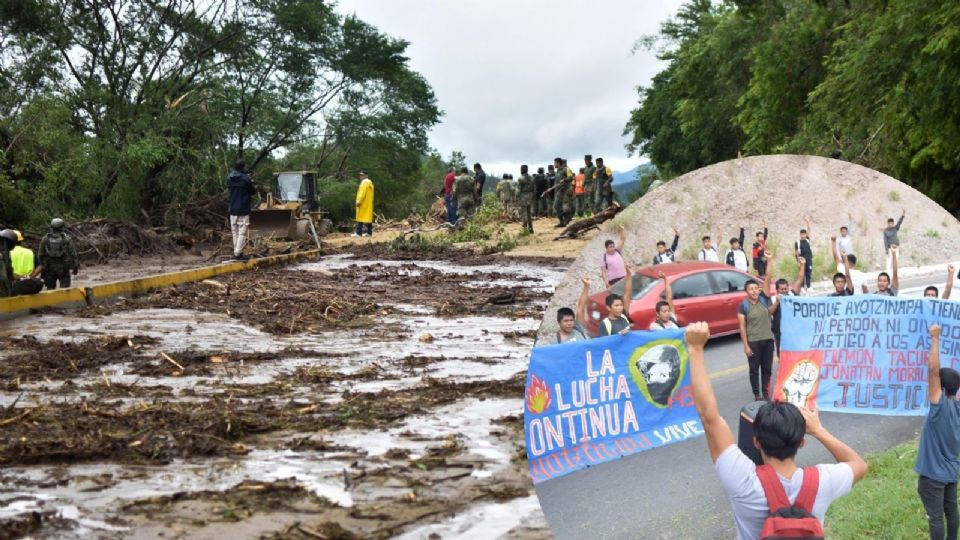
57, 246
790, 520
672, 319
609, 325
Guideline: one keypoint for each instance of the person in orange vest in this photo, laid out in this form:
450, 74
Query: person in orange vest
579, 193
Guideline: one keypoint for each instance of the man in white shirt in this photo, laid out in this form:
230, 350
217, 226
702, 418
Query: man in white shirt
708, 252
779, 430
736, 257
857, 279
845, 241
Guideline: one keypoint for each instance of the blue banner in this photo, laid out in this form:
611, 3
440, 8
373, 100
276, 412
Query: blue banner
863, 354
591, 401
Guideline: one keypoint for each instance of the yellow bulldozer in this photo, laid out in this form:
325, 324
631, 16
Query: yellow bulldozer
291, 209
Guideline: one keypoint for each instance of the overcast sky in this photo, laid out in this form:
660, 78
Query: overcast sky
522, 81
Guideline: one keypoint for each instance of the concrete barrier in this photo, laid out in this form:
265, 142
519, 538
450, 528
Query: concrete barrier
77, 297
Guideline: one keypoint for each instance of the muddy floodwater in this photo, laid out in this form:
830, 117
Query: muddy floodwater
372, 394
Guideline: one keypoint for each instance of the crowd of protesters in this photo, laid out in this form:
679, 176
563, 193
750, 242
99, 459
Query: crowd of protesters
757, 492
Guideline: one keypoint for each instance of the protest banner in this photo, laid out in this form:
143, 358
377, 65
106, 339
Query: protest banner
588, 402
863, 354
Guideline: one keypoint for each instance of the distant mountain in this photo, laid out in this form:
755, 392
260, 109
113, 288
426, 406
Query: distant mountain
620, 177
627, 183
626, 190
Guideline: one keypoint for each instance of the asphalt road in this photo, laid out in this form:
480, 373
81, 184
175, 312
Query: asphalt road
672, 492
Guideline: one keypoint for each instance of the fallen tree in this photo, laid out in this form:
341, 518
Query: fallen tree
581, 226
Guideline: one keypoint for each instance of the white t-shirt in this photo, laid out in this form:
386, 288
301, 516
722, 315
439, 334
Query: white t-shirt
655, 325
708, 255
845, 243
740, 260
738, 475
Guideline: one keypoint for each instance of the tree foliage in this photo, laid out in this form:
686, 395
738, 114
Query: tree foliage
874, 80
119, 108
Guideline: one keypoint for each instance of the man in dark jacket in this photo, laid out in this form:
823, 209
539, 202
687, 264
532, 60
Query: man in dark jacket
540, 183
241, 189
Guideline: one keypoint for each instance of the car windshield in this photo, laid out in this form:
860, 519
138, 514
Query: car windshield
641, 285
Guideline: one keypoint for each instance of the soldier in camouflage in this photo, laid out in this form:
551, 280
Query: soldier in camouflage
57, 256
563, 193
526, 191
604, 186
551, 182
465, 190
590, 191
507, 195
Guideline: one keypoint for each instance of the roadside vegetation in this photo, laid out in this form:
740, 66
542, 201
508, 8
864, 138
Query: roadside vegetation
874, 81
884, 504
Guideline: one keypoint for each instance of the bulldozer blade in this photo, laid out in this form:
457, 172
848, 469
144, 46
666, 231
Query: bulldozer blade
276, 222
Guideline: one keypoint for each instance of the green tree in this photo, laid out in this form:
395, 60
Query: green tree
148, 103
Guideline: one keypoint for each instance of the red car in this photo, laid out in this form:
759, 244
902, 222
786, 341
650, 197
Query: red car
702, 291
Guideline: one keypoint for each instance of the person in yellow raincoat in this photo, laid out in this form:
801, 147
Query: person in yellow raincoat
364, 205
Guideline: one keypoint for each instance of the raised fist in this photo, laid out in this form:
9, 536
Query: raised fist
800, 383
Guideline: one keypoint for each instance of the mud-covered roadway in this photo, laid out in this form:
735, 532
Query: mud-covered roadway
370, 394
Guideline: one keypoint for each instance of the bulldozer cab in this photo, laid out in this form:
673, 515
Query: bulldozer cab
291, 207
294, 187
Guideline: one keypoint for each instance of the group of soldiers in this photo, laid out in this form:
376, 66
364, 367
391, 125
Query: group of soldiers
23, 272
556, 192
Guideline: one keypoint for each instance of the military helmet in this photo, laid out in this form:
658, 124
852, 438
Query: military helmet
56, 224
19, 235
539, 169
10, 235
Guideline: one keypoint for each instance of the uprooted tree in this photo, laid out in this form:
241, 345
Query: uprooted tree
118, 108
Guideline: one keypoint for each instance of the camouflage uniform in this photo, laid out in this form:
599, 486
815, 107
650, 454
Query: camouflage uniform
57, 256
465, 191
526, 190
507, 195
551, 197
604, 186
590, 187
563, 196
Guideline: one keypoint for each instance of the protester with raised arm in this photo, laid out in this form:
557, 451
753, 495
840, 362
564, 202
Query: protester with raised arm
665, 313
937, 464
779, 430
933, 292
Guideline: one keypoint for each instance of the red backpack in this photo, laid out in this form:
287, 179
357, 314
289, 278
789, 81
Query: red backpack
787, 520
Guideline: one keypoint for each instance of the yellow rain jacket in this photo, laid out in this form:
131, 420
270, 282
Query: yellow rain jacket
365, 201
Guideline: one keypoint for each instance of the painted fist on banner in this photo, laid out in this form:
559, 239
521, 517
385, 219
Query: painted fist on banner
800, 383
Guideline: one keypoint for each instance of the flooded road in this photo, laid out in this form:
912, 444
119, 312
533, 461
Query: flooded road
347, 398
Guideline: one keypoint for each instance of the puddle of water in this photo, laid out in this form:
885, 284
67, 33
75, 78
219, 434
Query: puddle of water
480, 522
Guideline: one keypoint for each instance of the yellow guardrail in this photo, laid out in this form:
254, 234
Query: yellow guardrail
76, 296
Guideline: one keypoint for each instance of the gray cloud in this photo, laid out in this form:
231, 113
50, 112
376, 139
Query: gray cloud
526, 80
